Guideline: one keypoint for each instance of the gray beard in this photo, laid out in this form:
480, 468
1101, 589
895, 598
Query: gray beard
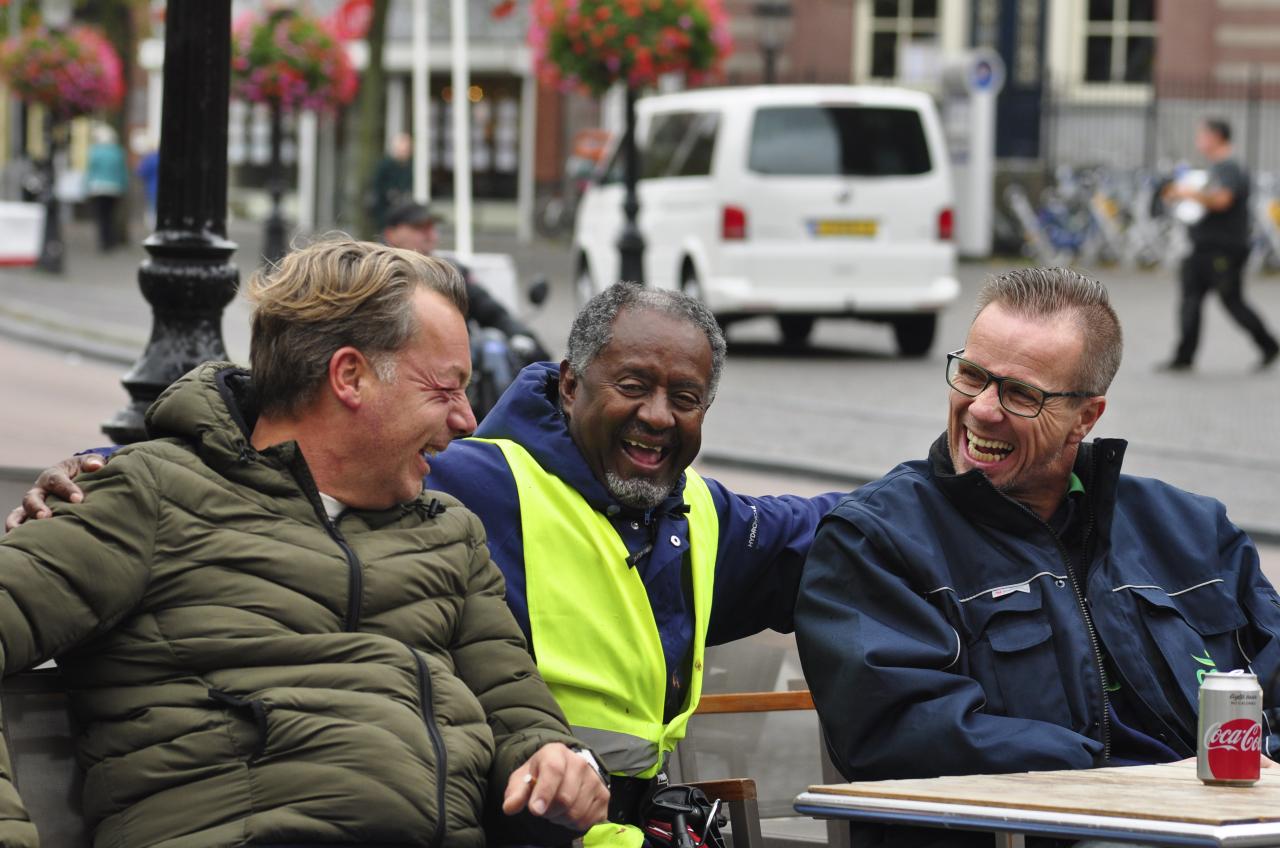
637, 492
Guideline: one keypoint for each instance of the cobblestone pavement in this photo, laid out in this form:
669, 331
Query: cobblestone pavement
845, 409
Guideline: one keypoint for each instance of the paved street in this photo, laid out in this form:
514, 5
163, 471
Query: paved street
845, 410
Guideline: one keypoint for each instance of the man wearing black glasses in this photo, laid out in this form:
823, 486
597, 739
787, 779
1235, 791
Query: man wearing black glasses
1014, 602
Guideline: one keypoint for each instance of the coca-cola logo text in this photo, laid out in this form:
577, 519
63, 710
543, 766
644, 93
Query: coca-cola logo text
1234, 749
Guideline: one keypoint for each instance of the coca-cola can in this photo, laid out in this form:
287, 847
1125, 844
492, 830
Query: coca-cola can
1230, 747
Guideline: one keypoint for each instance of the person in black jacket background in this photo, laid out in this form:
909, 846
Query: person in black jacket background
412, 226
1219, 248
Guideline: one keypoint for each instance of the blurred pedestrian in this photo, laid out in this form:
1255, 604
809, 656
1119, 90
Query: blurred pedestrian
1219, 247
393, 180
412, 226
148, 171
106, 179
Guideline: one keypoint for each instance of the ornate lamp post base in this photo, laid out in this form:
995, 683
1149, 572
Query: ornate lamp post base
188, 278
188, 282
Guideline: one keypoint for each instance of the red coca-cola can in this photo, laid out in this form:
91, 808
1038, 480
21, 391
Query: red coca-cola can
1230, 747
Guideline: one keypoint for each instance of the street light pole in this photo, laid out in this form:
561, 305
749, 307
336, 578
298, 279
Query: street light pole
55, 14
273, 249
771, 17
631, 242
188, 277
52, 249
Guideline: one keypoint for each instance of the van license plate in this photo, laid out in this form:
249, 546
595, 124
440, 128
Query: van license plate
865, 228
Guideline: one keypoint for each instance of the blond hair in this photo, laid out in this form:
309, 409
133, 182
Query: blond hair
335, 293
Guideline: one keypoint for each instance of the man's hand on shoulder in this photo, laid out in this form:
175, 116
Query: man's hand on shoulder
55, 482
560, 785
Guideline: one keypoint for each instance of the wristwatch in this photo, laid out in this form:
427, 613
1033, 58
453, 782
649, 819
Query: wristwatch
595, 763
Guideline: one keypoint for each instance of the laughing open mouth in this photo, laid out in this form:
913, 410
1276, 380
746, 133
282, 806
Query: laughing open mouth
644, 454
987, 450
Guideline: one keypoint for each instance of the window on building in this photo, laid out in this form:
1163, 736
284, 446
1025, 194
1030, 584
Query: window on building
1119, 41
898, 22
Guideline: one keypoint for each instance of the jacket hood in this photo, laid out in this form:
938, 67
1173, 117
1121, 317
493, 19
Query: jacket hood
209, 405
212, 408
1097, 465
529, 413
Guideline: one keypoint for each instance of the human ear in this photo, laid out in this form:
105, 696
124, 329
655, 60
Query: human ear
349, 374
1087, 416
568, 385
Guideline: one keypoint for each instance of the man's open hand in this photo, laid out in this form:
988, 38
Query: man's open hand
56, 482
560, 786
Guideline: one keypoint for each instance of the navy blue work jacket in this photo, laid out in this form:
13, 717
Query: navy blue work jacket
945, 629
762, 546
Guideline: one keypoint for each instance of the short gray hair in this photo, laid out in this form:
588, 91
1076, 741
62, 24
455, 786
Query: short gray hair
1052, 292
593, 326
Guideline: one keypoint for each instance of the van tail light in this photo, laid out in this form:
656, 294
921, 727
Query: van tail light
733, 224
946, 224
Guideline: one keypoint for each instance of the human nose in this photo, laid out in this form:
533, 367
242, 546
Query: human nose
986, 405
656, 412
462, 421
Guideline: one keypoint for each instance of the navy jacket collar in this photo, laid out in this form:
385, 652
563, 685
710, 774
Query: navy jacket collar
529, 413
1097, 464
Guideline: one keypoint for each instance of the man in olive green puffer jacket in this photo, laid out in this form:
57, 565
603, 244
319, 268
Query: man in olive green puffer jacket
272, 635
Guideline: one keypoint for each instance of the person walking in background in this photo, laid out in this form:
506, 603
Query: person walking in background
148, 171
1219, 248
393, 181
106, 179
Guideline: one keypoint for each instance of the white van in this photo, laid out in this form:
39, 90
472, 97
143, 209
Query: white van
800, 202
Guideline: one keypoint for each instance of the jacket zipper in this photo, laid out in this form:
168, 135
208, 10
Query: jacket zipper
1093, 633
437, 742
1084, 608
355, 580
355, 576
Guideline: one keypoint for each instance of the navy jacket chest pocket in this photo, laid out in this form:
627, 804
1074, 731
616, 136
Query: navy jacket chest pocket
1192, 630
1013, 657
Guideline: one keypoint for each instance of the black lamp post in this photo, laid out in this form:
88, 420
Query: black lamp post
771, 17
52, 249
275, 228
631, 242
56, 14
188, 278
273, 236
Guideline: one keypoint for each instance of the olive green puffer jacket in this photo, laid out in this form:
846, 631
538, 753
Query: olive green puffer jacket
246, 672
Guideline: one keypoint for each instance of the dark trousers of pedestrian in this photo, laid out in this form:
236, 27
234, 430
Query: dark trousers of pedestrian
104, 211
1219, 269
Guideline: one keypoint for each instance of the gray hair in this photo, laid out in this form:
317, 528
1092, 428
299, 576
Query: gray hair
1053, 292
593, 327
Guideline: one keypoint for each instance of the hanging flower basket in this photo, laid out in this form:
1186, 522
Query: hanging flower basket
71, 72
588, 45
290, 59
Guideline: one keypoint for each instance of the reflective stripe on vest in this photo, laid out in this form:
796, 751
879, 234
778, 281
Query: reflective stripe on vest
594, 634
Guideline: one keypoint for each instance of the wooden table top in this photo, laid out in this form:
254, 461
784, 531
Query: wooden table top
1170, 793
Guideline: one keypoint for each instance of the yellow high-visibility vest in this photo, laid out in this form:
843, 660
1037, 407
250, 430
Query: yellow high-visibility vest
594, 635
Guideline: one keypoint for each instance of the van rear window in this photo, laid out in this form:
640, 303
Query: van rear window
851, 141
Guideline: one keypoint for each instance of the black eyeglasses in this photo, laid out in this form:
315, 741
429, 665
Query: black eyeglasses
1022, 399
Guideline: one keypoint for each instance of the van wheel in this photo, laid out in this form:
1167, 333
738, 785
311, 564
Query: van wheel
583, 288
690, 285
914, 334
795, 329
